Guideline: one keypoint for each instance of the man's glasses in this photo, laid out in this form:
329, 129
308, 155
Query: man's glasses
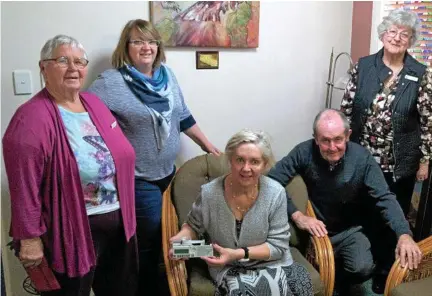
139, 43
405, 36
64, 62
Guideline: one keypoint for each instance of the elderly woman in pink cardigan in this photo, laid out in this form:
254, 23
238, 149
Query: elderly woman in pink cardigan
71, 179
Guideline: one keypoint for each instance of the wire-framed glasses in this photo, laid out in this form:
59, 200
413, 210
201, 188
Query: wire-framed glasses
64, 62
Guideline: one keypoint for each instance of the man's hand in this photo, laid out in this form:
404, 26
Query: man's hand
408, 252
312, 225
31, 252
226, 256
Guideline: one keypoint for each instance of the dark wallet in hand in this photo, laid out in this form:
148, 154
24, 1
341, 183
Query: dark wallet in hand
43, 277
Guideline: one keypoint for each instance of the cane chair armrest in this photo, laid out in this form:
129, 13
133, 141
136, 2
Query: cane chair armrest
175, 269
320, 255
399, 274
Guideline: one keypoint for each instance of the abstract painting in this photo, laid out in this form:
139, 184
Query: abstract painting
207, 23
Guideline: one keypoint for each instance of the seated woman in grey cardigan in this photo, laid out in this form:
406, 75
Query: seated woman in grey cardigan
244, 215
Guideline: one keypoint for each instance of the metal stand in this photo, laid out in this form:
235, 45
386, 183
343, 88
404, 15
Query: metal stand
331, 76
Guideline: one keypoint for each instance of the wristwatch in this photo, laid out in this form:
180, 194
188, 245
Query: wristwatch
246, 255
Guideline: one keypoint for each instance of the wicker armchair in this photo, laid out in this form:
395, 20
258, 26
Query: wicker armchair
191, 277
402, 281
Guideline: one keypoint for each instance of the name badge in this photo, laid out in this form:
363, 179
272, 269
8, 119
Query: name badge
114, 124
412, 78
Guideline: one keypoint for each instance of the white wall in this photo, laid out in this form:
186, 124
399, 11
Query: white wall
377, 16
278, 87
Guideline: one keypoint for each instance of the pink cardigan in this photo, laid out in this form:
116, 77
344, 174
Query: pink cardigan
47, 199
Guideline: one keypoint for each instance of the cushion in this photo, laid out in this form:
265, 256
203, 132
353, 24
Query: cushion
202, 285
199, 277
189, 179
421, 287
296, 189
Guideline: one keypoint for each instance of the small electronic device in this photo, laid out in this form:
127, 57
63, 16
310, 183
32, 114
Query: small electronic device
187, 248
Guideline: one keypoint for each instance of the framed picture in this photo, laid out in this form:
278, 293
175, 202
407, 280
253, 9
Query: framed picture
207, 60
207, 23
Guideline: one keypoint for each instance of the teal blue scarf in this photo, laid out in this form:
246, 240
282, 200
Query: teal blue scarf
156, 94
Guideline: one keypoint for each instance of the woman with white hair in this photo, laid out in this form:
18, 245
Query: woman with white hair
244, 215
71, 180
388, 101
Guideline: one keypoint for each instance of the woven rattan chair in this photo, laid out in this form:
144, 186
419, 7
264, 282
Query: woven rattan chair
191, 277
418, 282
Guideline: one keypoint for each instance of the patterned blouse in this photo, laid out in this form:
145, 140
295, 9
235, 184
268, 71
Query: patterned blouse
377, 133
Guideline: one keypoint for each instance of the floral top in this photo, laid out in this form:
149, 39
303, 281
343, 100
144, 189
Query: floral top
377, 133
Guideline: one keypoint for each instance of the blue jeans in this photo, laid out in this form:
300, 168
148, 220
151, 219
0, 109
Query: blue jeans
148, 208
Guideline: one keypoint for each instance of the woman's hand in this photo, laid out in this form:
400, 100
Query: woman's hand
423, 171
186, 232
195, 133
226, 256
210, 148
31, 252
177, 238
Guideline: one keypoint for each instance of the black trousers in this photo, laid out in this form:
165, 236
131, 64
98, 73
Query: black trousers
403, 189
353, 256
116, 270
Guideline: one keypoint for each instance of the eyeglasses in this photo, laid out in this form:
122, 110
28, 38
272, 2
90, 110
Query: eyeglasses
405, 36
139, 43
64, 62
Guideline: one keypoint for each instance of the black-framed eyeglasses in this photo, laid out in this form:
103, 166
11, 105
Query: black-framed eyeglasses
64, 62
139, 43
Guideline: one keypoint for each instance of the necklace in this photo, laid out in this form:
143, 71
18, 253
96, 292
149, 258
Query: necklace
251, 198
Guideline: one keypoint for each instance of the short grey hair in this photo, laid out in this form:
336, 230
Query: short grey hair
51, 44
400, 17
247, 136
330, 111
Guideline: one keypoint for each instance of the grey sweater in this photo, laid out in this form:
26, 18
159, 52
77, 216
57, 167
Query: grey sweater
266, 222
136, 123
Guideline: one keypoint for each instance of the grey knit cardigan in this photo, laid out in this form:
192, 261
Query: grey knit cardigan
265, 222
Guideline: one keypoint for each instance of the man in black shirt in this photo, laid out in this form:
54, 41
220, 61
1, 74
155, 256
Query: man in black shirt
345, 186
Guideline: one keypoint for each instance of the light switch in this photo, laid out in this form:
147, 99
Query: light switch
22, 82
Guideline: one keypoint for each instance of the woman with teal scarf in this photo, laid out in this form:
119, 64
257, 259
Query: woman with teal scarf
144, 96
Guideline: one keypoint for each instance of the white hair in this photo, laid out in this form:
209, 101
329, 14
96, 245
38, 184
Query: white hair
49, 47
400, 17
246, 136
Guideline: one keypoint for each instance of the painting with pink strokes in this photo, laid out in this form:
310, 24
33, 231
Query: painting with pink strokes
207, 23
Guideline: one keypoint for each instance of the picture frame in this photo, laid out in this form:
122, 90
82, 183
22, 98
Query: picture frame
211, 24
207, 60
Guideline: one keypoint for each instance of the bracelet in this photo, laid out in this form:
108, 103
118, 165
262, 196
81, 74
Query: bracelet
424, 160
